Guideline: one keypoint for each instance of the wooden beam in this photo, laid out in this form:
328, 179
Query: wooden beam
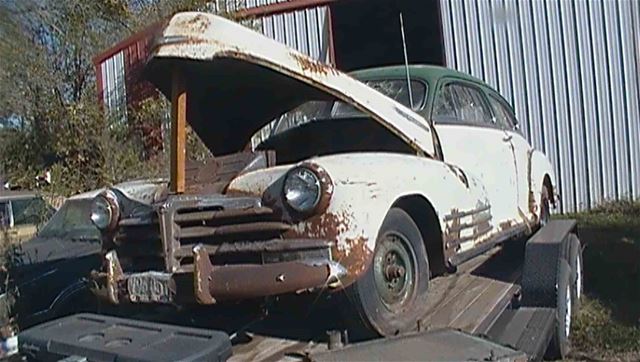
178, 133
280, 8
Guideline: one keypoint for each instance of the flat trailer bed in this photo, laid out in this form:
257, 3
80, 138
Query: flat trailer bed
474, 314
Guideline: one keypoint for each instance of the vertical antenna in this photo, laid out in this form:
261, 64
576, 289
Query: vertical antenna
406, 60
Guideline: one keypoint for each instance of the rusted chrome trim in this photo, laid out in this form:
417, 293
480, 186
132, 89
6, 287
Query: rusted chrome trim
167, 40
460, 258
268, 246
336, 273
223, 230
212, 284
114, 276
481, 219
223, 214
459, 214
202, 276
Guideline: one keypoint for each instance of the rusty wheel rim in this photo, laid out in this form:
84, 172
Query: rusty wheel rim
394, 271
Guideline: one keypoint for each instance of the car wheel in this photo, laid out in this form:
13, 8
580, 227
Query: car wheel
545, 208
577, 272
390, 297
559, 346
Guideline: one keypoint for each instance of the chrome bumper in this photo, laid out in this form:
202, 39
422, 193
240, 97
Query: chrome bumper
204, 283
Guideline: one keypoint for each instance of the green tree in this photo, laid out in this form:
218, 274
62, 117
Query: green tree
51, 116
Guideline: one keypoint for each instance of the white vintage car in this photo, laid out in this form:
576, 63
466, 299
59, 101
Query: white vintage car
368, 187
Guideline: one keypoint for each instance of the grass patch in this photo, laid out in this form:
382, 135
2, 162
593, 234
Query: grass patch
597, 333
608, 325
610, 215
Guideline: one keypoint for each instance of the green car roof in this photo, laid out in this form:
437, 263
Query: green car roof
430, 73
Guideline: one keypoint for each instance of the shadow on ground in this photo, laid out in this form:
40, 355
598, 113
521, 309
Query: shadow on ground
612, 270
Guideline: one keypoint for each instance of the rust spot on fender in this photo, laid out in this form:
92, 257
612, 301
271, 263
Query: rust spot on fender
357, 261
352, 253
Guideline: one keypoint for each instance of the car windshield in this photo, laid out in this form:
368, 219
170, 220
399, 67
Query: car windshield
72, 220
395, 89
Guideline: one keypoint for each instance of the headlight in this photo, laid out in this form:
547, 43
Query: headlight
105, 211
303, 189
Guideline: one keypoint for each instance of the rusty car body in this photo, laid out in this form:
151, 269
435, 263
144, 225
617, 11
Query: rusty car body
379, 193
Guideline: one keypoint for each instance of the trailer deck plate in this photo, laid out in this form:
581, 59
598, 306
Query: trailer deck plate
526, 329
102, 338
442, 345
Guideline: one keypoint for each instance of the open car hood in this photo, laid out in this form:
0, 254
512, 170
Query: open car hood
238, 81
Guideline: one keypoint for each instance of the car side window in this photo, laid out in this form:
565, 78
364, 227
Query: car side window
461, 104
503, 116
445, 105
29, 211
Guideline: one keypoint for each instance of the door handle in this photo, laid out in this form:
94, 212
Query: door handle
507, 138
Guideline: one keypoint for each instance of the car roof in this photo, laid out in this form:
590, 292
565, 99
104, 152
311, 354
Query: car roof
431, 73
123, 186
16, 195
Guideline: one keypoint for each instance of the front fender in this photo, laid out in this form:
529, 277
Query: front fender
365, 187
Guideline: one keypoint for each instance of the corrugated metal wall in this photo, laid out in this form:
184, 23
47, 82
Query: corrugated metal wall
114, 92
303, 30
571, 70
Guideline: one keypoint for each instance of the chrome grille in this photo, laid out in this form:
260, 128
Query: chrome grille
185, 221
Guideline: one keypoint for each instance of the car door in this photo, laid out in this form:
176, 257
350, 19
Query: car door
471, 140
521, 149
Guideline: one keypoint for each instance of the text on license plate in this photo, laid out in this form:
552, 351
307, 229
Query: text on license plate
151, 287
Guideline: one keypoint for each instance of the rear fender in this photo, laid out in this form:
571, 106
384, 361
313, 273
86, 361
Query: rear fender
539, 168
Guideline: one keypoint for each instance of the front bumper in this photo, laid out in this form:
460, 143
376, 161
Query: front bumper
204, 283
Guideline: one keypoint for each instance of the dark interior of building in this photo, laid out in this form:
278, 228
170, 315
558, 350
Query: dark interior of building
367, 32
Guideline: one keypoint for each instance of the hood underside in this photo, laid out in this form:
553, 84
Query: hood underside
238, 81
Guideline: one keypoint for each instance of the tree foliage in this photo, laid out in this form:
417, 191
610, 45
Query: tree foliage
50, 114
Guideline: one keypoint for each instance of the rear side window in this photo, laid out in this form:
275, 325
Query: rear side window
30, 211
503, 116
457, 103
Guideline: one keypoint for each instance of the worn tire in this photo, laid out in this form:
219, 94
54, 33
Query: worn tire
381, 309
574, 258
559, 346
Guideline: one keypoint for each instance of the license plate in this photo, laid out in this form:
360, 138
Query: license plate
150, 287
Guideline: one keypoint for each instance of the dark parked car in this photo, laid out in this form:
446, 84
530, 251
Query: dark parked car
47, 278
21, 212
49, 275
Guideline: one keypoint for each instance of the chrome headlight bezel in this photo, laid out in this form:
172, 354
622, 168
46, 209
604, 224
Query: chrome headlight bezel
107, 201
317, 179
